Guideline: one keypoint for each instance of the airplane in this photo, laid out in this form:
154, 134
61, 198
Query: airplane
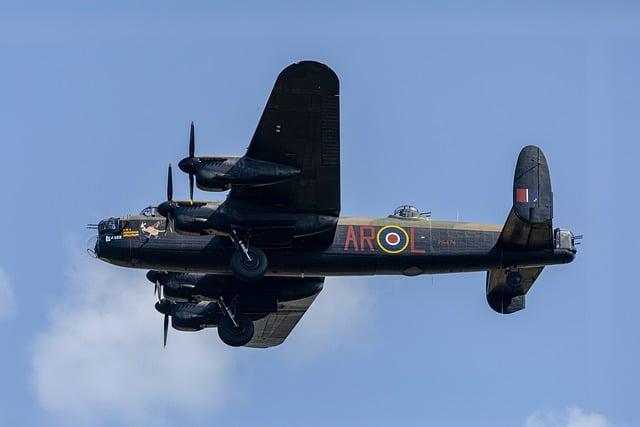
253, 264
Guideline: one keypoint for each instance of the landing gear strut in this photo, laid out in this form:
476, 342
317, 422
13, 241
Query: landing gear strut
247, 263
235, 330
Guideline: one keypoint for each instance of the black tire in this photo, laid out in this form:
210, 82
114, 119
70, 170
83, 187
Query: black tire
235, 336
249, 271
514, 279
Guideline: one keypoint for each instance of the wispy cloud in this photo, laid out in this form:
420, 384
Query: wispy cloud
569, 417
100, 358
7, 298
338, 312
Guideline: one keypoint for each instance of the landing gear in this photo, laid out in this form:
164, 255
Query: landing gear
248, 264
514, 279
235, 330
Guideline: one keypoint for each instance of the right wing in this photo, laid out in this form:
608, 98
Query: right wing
273, 329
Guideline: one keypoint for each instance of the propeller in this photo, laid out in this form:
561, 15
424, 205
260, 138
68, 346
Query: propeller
192, 151
154, 277
189, 164
167, 209
165, 330
170, 185
157, 290
164, 307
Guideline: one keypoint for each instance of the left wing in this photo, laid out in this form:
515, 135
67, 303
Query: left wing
273, 329
300, 128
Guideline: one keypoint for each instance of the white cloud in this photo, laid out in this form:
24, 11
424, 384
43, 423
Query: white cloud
7, 299
338, 313
100, 358
569, 417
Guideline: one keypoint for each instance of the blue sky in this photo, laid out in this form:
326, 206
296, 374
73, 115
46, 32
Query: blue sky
436, 102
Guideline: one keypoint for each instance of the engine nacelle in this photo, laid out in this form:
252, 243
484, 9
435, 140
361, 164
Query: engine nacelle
190, 324
179, 287
189, 287
221, 173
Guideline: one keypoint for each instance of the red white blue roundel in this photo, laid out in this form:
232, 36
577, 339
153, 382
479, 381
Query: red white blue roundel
392, 239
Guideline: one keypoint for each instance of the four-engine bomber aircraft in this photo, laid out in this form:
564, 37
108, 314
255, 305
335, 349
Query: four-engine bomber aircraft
253, 264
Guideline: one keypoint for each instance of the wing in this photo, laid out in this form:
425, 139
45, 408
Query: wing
504, 299
273, 329
299, 127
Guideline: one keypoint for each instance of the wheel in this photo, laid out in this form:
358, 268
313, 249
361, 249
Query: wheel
514, 279
249, 271
235, 336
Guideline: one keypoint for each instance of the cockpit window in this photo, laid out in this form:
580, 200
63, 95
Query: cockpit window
150, 211
109, 226
408, 211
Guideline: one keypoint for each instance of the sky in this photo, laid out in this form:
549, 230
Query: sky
437, 99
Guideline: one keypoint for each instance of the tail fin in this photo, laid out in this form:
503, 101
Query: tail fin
529, 226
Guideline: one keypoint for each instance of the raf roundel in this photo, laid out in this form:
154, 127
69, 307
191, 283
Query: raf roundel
392, 239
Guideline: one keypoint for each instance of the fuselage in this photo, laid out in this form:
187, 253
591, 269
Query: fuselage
361, 246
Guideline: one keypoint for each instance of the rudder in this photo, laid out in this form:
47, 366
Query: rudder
528, 227
529, 224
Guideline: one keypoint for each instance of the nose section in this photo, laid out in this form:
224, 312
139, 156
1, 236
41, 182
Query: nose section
93, 246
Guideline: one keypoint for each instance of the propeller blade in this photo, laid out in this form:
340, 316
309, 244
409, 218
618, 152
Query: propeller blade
192, 142
170, 226
157, 290
166, 330
170, 185
191, 187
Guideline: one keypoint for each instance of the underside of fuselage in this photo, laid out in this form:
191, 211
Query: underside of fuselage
362, 246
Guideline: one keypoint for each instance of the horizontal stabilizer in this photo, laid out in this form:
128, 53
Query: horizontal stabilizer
529, 224
506, 295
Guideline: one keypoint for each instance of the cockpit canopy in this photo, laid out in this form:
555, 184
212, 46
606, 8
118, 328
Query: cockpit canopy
408, 211
110, 226
150, 211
